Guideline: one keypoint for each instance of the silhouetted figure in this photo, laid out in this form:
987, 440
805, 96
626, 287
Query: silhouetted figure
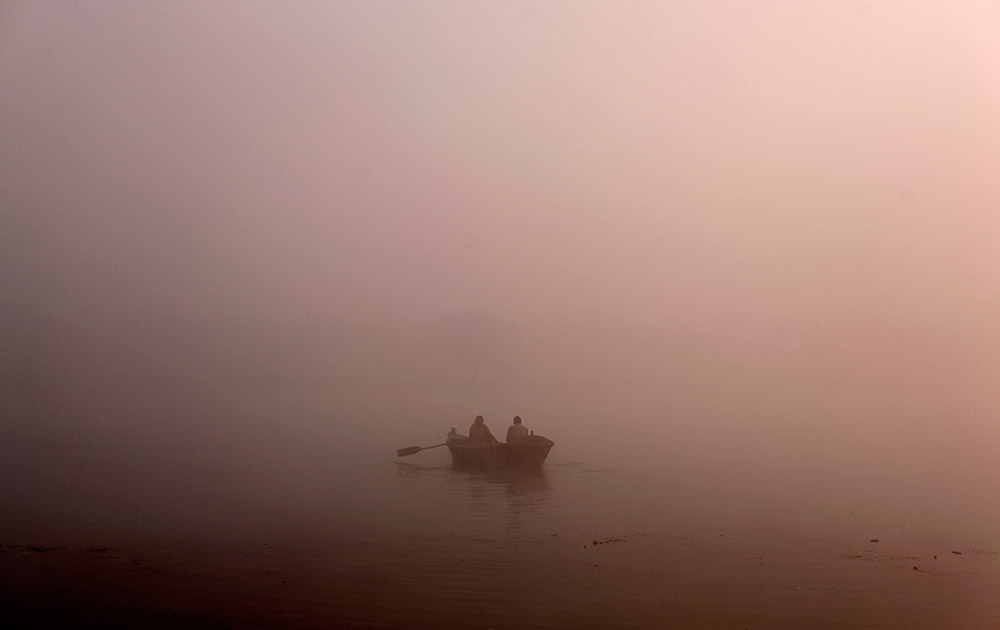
480, 434
516, 430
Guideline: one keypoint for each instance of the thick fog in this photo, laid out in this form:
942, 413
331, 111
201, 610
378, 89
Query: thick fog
755, 241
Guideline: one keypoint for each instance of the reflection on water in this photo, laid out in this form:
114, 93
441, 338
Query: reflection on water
481, 503
580, 545
418, 543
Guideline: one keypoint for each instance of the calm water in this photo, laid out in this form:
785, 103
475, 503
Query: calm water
328, 538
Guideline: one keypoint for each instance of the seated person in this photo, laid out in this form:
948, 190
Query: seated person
480, 434
516, 430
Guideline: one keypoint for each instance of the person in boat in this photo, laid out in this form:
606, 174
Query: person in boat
516, 430
480, 434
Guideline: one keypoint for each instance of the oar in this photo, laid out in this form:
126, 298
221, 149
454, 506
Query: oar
413, 450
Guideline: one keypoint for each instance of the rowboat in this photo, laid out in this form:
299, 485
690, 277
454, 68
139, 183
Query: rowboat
528, 452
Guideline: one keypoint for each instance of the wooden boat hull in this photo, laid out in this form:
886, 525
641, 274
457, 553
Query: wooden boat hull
527, 452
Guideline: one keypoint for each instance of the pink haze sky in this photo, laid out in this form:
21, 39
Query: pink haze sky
749, 171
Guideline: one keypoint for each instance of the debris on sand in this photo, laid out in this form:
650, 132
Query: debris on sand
957, 553
873, 540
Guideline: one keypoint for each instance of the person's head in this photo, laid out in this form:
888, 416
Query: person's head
517, 419
479, 420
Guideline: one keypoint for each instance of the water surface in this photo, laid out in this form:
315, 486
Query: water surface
327, 538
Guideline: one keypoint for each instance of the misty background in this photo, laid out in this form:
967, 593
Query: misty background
756, 243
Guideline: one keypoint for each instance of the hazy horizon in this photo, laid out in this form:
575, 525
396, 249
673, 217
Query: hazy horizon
755, 245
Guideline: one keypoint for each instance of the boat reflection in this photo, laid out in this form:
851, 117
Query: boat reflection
499, 500
477, 495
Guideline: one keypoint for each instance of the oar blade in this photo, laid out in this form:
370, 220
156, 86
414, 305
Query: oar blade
409, 450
